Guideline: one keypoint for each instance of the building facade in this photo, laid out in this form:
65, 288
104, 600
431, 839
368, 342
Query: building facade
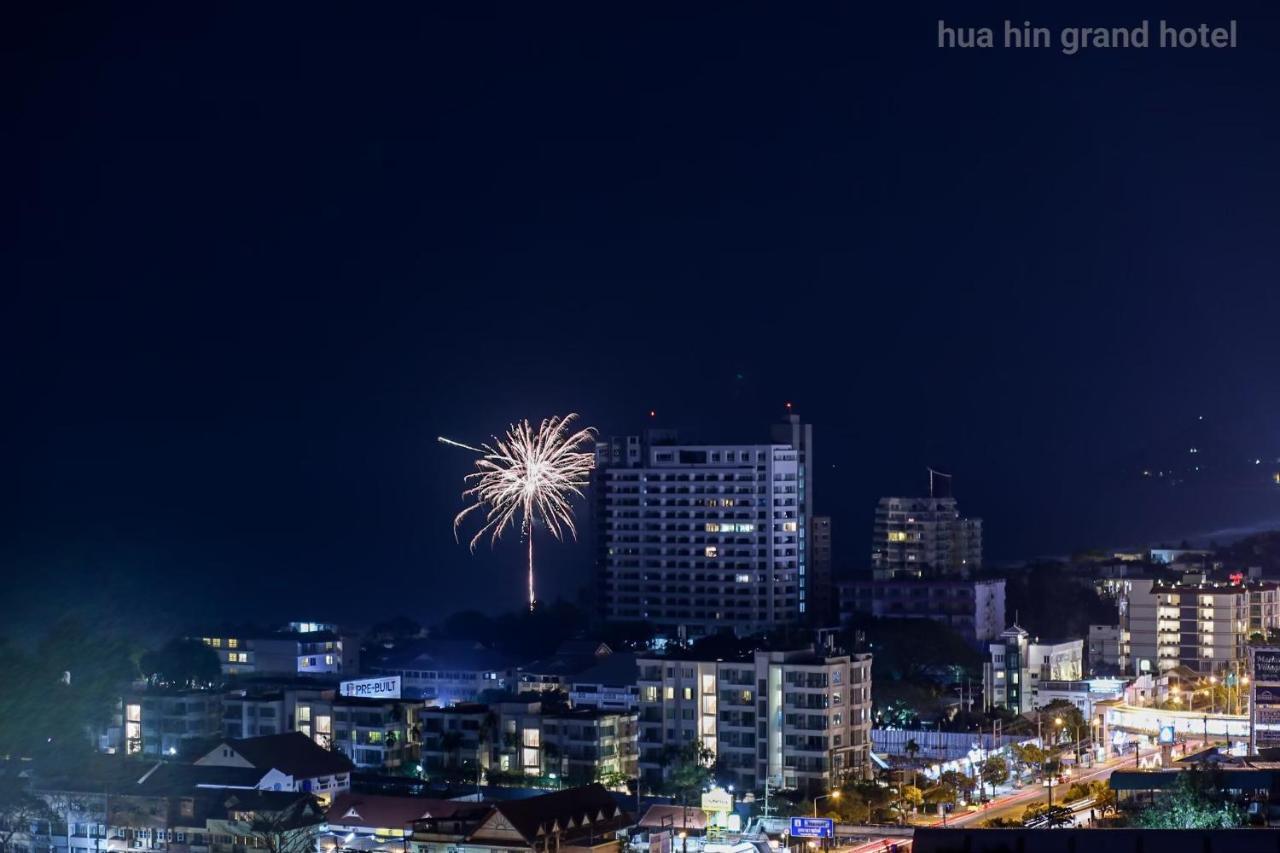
1019, 663
924, 537
823, 599
705, 537
161, 723
973, 609
1106, 643
801, 719
300, 648
1202, 626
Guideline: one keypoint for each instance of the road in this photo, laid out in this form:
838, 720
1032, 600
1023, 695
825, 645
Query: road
1013, 805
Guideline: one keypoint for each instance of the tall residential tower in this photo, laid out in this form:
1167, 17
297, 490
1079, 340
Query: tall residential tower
705, 536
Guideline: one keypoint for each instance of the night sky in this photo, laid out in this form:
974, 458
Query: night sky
258, 256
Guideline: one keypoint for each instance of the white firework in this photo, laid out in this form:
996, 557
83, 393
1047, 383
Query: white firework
528, 476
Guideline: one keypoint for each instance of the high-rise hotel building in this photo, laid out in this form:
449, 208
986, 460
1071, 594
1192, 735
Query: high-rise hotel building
705, 536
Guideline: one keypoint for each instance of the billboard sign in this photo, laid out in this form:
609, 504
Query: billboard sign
1265, 664
371, 688
1167, 734
813, 827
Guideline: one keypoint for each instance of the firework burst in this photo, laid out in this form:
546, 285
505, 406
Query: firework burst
526, 477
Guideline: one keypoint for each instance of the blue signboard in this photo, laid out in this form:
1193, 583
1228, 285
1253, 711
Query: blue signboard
813, 827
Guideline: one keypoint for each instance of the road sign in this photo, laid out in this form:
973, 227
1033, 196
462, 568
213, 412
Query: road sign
813, 827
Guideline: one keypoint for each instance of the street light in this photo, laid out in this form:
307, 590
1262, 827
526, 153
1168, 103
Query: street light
834, 795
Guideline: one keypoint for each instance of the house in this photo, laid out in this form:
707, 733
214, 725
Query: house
374, 821
575, 819
290, 762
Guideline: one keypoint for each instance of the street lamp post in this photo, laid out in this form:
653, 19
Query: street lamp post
834, 795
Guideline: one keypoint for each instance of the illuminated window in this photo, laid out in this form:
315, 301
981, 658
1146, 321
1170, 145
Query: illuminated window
727, 502
651, 694
533, 738
712, 527
712, 551
897, 536
743, 578
788, 527
216, 643
688, 694
304, 713
669, 693
375, 737
328, 659
233, 643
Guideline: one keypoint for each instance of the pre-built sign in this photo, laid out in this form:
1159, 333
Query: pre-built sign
372, 688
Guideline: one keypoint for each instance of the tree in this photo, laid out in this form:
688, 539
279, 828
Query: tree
1196, 801
1104, 796
614, 780
910, 795
19, 809
293, 829
182, 663
1073, 721
862, 802
958, 784
994, 771
689, 770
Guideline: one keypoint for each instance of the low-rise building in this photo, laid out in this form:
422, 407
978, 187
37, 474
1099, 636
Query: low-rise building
558, 671
1084, 694
1105, 645
456, 739
974, 609
1018, 663
801, 717
288, 762
575, 820
610, 685
300, 648
375, 822
446, 672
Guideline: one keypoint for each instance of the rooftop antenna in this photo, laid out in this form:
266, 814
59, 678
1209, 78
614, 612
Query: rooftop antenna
936, 474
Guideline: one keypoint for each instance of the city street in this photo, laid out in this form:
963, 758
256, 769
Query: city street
1012, 805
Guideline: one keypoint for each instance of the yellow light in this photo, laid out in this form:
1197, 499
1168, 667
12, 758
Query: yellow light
835, 795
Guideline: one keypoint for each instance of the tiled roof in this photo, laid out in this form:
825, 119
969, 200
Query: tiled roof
293, 753
566, 812
374, 810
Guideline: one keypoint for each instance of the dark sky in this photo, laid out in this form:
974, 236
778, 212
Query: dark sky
258, 255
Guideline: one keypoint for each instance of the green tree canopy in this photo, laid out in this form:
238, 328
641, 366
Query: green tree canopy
1197, 801
182, 663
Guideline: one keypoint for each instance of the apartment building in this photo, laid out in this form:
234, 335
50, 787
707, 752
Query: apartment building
924, 537
300, 648
1200, 625
974, 609
800, 718
522, 736
1019, 663
161, 722
457, 739
705, 537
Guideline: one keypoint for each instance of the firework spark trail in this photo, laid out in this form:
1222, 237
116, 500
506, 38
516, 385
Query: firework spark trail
529, 475
443, 440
